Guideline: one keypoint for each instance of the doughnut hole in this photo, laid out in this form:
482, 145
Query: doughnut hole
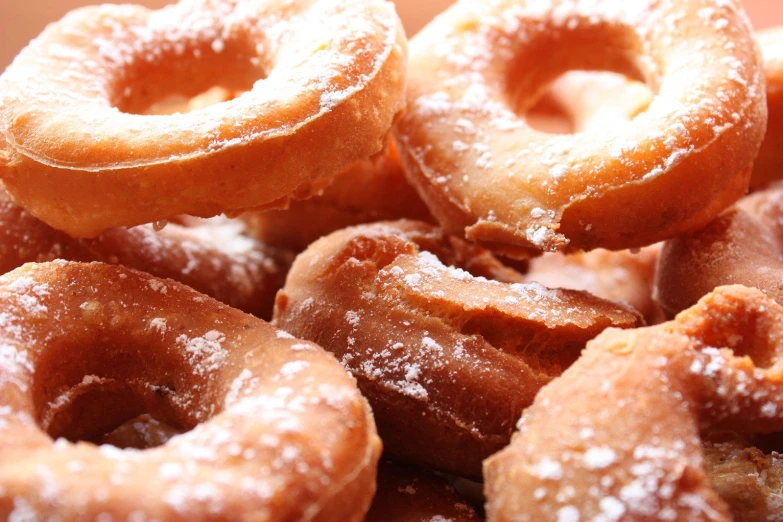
184, 76
82, 396
581, 101
553, 51
179, 104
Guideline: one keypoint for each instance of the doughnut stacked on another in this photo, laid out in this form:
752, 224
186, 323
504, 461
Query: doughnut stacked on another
744, 245
629, 417
448, 345
489, 177
323, 76
215, 256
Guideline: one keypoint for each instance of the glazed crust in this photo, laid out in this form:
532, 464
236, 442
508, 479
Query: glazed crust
216, 256
278, 431
447, 360
478, 65
629, 414
78, 155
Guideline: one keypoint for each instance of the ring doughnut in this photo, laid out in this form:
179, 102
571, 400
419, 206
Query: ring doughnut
630, 412
408, 495
478, 65
79, 156
744, 245
278, 431
439, 353
215, 256
369, 190
624, 276
768, 165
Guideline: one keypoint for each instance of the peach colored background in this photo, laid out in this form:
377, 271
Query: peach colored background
21, 20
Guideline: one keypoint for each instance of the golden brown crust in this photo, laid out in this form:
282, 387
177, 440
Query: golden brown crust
216, 257
623, 276
369, 190
744, 245
629, 413
278, 431
447, 360
768, 165
747, 479
405, 494
333, 77
475, 67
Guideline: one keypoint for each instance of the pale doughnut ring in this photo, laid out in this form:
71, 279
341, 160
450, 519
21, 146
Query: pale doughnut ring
618, 436
486, 175
447, 358
333, 74
215, 256
278, 431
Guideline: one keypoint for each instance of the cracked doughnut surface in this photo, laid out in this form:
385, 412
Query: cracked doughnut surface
447, 354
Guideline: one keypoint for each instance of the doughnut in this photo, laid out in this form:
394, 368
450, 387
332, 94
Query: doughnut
275, 429
446, 350
408, 495
768, 165
321, 76
485, 174
629, 414
626, 276
744, 245
369, 190
215, 256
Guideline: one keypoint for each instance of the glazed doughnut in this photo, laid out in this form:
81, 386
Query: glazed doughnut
486, 175
768, 165
324, 77
215, 256
369, 190
447, 357
277, 430
618, 276
744, 245
629, 413
408, 495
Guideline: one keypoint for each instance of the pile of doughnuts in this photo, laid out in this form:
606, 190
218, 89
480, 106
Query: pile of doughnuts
270, 261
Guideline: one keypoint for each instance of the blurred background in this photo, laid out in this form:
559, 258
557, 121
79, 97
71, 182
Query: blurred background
21, 20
